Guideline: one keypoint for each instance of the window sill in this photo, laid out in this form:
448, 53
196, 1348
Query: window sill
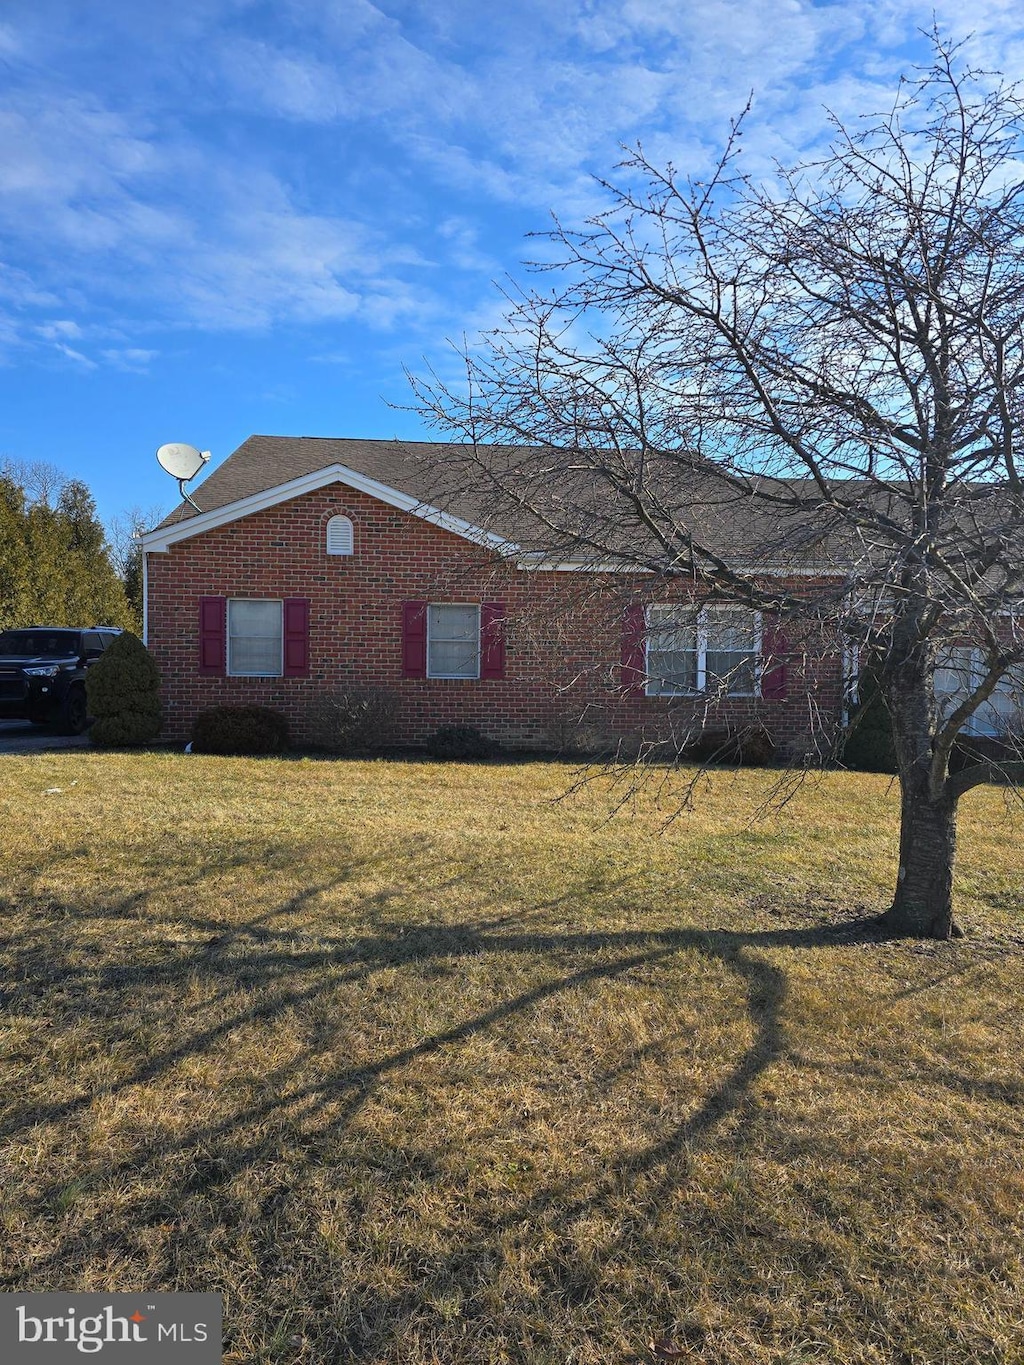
702, 696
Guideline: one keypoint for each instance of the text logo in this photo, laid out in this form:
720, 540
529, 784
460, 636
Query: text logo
52, 1329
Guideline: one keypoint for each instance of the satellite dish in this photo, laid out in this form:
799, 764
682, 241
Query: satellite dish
182, 462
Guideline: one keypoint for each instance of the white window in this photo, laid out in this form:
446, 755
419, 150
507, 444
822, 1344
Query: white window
340, 536
255, 638
713, 649
673, 665
731, 640
953, 681
1003, 712
959, 671
453, 641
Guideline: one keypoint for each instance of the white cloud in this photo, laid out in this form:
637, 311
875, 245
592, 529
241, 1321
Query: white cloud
19, 288
71, 145
199, 237
10, 45
133, 359
76, 356
465, 250
60, 328
223, 164
292, 85
367, 70
345, 359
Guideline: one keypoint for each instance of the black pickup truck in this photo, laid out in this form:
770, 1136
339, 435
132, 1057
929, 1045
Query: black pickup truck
42, 673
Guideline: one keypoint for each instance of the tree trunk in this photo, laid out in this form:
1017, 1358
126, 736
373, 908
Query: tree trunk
923, 904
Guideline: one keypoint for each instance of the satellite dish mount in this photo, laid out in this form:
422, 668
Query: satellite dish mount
182, 462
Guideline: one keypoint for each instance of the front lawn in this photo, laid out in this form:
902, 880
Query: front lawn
416, 1065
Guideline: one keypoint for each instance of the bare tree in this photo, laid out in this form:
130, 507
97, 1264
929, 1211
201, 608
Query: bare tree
840, 351
123, 532
41, 481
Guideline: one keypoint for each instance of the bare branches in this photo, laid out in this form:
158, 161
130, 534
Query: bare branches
738, 384
847, 351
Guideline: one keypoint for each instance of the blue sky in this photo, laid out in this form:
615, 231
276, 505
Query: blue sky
221, 217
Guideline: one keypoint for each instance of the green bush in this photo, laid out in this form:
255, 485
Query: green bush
868, 747
455, 742
122, 689
352, 719
239, 730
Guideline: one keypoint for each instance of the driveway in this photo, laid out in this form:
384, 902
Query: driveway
22, 737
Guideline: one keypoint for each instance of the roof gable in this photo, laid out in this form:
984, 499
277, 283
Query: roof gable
172, 530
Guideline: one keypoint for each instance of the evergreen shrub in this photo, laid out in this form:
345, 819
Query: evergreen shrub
122, 690
239, 730
868, 747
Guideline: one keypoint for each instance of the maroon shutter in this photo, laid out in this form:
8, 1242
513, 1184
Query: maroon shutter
212, 635
414, 639
296, 637
634, 660
492, 639
774, 650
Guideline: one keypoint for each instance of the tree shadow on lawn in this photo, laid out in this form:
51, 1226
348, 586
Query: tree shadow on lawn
269, 959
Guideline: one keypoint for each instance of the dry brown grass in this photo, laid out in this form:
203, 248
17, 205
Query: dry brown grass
415, 1066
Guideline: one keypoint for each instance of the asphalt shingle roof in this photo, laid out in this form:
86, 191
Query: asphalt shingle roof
263, 462
582, 505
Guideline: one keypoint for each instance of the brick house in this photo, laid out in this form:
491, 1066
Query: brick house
320, 564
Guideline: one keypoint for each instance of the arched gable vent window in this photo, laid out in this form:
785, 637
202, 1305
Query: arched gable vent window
339, 536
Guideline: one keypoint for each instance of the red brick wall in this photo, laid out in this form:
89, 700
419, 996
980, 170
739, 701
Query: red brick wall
564, 632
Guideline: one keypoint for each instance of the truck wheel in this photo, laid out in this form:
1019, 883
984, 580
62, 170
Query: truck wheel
72, 716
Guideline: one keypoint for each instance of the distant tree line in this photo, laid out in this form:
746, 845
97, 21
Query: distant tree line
57, 566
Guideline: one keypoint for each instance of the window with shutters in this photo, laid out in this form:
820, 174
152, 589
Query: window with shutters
453, 641
255, 638
340, 536
712, 649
